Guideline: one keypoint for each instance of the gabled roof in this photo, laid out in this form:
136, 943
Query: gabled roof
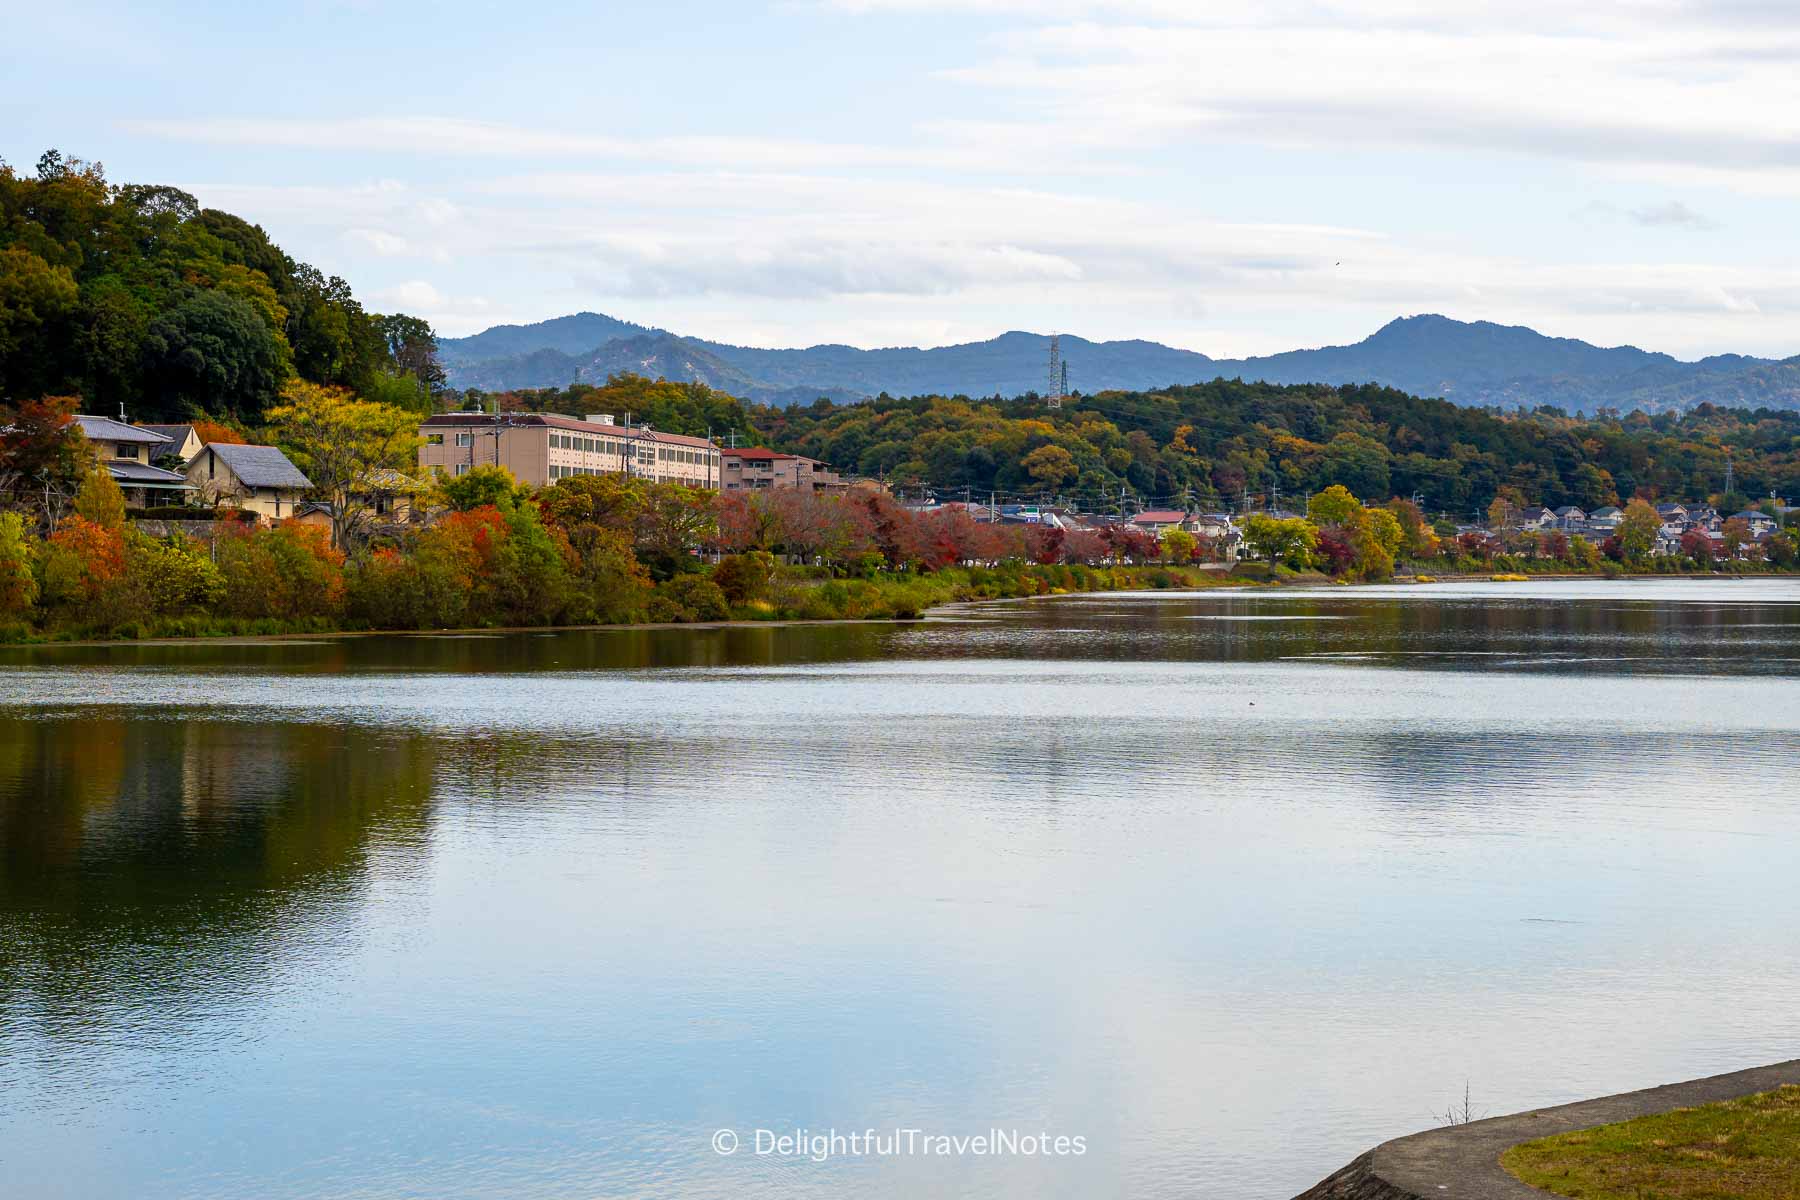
1160, 516
137, 474
386, 479
175, 433
1569, 510
105, 429
260, 466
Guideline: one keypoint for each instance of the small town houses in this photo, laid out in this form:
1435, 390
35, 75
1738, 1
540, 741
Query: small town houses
1678, 523
1217, 532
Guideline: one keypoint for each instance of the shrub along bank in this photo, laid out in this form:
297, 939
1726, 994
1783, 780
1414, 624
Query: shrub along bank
589, 550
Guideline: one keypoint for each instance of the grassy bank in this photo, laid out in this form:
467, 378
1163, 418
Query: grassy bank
1746, 1149
787, 594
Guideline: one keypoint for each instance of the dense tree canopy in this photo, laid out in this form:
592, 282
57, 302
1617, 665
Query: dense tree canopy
1224, 441
133, 294
689, 409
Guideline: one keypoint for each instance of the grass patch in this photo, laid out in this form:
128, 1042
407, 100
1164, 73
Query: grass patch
1745, 1149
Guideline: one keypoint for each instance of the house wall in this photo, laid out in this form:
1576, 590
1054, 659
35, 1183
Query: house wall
218, 483
759, 474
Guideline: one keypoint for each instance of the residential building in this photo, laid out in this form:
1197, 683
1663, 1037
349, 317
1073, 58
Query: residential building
184, 443
755, 468
1569, 516
126, 451
1759, 522
1155, 520
1535, 516
1609, 516
541, 448
259, 479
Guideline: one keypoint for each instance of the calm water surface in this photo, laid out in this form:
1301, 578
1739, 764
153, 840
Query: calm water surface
1229, 885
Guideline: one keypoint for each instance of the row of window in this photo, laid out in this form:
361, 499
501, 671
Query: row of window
645, 451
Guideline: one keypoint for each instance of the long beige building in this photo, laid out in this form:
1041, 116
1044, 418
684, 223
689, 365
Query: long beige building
541, 448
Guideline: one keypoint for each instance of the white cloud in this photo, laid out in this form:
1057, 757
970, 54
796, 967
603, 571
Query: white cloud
380, 241
415, 295
451, 137
1108, 119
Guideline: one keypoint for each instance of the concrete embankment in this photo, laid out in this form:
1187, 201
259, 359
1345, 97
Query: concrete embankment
1462, 1162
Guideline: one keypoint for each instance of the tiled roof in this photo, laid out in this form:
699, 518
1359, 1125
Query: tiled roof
105, 429
467, 420
175, 433
139, 474
386, 479
753, 453
1160, 516
260, 466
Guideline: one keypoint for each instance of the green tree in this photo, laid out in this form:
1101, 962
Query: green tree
341, 443
1050, 467
480, 487
100, 500
413, 346
744, 577
1784, 548
1178, 545
37, 304
1637, 530
214, 354
1287, 541
1335, 506
18, 586
674, 522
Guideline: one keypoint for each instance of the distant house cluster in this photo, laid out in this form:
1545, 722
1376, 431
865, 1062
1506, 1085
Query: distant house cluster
1217, 531
1679, 523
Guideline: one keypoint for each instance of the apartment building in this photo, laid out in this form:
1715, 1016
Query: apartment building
754, 469
541, 448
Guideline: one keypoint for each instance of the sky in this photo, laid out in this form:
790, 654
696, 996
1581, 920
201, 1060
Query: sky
1230, 177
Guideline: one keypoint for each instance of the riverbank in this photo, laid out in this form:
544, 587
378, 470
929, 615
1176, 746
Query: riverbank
795, 597
1464, 1160
801, 596
1748, 1149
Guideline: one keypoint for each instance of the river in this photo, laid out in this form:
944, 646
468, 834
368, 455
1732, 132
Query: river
1226, 886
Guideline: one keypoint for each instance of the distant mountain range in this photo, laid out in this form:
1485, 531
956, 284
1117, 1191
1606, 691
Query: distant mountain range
1474, 363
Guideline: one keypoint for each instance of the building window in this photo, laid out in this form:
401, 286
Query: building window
434, 439
465, 439
462, 468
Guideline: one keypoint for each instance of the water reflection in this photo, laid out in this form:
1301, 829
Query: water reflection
533, 915
149, 863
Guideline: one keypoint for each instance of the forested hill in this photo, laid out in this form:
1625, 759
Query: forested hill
134, 295
1214, 442
1475, 363
1009, 365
